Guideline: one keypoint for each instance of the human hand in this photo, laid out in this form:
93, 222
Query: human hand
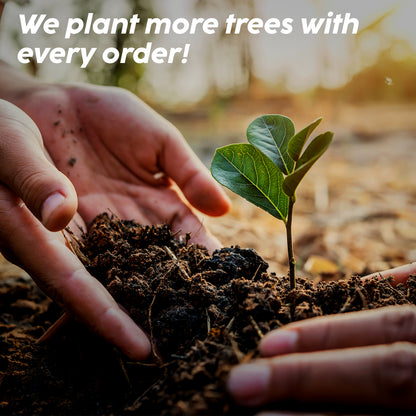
111, 146
400, 274
27, 174
122, 156
360, 358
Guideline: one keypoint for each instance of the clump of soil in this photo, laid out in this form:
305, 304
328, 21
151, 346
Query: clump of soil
204, 314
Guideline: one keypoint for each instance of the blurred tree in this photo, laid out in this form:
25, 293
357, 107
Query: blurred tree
234, 70
128, 74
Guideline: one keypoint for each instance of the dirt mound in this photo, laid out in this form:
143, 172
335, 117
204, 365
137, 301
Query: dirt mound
203, 315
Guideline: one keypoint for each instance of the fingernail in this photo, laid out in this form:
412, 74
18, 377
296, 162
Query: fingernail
248, 383
278, 342
51, 203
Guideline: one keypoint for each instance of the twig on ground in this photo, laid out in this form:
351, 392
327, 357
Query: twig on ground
54, 328
152, 339
256, 327
75, 248
236, 349
208, 322
362, 297
230, 324
177, 262
137, 403
123, 368
255, 273
346, 304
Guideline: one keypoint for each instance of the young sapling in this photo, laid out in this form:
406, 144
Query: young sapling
267, 170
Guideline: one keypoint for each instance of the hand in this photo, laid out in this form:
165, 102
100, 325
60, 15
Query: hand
111, 146
24, 169
400, 274
359, 358
121, 155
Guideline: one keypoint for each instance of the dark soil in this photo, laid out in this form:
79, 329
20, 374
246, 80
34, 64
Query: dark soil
204, 314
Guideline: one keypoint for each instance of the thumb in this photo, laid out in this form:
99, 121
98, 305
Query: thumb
26, 170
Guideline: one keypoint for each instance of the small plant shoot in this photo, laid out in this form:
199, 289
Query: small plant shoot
267, 170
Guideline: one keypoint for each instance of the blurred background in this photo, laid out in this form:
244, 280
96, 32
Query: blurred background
356, 211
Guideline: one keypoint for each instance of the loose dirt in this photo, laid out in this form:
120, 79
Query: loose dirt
203, 314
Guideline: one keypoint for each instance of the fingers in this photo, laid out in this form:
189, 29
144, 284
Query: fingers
192, 177
381, 376
88, 300
148, 142
371, 327
400, 274
187, 221
25, 169
148, 205
63, 277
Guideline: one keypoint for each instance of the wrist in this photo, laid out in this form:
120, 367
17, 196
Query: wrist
15, 85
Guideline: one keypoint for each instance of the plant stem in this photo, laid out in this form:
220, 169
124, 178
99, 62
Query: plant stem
291, 257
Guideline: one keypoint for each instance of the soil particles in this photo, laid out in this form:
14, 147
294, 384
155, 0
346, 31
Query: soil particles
203, 314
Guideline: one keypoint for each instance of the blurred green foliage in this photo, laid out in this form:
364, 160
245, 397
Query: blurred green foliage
125, 75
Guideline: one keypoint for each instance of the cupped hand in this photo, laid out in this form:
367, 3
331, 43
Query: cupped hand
122, 156
27, 175
360, 358
119, 155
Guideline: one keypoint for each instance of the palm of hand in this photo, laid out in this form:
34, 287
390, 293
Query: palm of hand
122, 156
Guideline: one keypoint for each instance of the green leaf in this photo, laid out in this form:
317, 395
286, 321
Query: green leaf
249, 173
271, 134
296, 143
313, 152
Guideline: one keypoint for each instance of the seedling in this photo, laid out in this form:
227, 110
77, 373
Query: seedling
267, 170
